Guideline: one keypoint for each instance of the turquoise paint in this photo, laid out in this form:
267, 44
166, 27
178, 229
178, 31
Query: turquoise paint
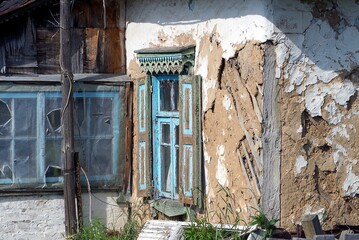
142, 165
187, 149
158, 119
187, 87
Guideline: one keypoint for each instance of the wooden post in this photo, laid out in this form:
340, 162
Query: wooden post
311, 226
67, 117
78, 191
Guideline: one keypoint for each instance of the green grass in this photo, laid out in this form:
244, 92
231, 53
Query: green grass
98, 231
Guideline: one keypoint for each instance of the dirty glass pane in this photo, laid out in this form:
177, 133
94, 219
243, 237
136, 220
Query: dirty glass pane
166, 136
166, 167
80, 112
168, 95
53, 116
174, 96
25, 117
5, 114
177, 134
53, 152
30, 143
101, 157
24, 160
101, 116
5, 165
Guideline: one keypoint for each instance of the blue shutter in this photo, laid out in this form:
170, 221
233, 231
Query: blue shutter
144, 152
190, 144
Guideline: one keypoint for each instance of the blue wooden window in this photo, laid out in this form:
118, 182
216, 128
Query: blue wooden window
172, 110
165, 118
30, 136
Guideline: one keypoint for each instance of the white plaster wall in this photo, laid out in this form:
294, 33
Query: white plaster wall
32, 217
315, 55
42, 217
232, 21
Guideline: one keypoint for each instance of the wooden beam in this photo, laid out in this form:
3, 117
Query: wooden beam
67, 117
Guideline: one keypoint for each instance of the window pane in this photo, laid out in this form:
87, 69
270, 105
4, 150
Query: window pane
6, 118
174, 96
5, 113
5, 165
53, 152
24, 160
101, 116
166, 168
53, 116
25, 117
177, 134
166, 136
168, 95
101, 157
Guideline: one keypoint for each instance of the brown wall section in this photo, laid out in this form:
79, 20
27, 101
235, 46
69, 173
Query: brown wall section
97, 39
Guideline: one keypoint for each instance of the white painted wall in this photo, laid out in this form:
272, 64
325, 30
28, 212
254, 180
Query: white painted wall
42, 217
232, 21
317, 54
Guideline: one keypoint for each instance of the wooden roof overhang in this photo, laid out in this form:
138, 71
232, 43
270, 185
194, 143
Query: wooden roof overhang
10, 9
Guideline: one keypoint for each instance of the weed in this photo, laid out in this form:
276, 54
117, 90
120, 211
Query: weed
261, 220
228, 218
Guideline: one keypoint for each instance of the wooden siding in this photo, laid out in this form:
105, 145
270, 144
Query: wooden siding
97, 43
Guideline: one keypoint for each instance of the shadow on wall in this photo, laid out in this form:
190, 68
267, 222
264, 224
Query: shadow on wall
104, 207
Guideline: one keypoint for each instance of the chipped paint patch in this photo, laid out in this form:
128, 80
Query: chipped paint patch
340, 150
320, 212
222, 172
351, 183
334, 116
341, 131
299, 164
227, 103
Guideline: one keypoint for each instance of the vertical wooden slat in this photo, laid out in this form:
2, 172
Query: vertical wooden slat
67, 117
122, 27
190, 148
144, 130
128, 140
78, 190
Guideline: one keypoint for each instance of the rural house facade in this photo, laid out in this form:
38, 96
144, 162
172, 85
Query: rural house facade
248, 102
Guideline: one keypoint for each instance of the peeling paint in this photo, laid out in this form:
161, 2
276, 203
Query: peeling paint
222, 172
341, 92
320, 212
340, 150
341, 131
334, 116
227, 103
300, 163
351, 183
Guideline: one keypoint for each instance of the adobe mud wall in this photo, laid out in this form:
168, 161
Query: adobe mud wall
279, 99
229, 58
317, 64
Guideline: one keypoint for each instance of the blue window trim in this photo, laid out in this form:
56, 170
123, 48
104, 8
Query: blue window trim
40, 134
158, 118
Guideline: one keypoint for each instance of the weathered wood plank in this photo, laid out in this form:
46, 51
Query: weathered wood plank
311, 226
271, 139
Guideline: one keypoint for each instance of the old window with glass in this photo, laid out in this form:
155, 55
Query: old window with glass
169, 126
30, 134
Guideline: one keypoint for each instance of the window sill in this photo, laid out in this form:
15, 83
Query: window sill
169, 207
43, 191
